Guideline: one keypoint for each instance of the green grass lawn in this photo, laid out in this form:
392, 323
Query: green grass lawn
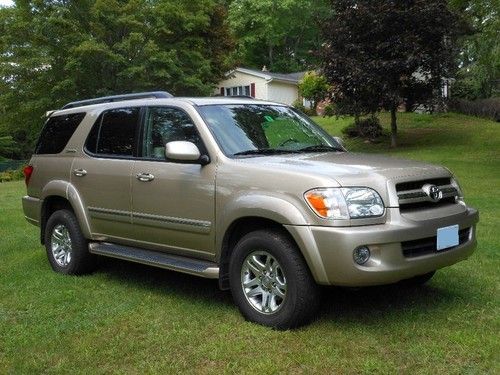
128, 318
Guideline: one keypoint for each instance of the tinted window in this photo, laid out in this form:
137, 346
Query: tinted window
256, 127
165, 125
114, 133
57, 132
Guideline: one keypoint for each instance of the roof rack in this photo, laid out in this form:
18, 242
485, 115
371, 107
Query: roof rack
119, 98
238, 96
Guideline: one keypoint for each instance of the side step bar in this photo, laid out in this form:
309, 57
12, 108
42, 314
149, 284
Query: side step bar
191, 266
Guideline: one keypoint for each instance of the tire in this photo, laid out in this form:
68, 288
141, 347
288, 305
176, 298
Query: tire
418, 280
67, 248
288, 296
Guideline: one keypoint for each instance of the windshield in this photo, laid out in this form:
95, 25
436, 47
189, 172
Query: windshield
245, 129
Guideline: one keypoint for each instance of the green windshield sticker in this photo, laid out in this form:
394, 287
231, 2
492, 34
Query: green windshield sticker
269, 118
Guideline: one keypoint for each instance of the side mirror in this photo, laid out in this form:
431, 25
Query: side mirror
340, 141
184, 151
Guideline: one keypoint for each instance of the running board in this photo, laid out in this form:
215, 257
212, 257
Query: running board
195, 267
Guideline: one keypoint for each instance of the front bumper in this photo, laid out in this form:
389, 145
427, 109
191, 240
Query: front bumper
329, 250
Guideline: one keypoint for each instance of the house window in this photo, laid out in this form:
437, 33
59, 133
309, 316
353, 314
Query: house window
237, 91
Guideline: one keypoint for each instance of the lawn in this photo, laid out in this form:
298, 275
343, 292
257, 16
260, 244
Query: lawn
128, 318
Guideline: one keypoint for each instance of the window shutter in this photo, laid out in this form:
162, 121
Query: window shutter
222, 91
252, 90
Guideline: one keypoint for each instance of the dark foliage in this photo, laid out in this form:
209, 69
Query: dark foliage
368, 128
329, 110
379, 51
488, 108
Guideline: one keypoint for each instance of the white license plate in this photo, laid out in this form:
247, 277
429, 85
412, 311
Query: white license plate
447, 237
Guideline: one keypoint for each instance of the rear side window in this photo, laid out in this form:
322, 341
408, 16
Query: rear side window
114, 133
56, 133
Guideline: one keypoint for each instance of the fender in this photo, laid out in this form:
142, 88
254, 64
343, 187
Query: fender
279, 210
66, 190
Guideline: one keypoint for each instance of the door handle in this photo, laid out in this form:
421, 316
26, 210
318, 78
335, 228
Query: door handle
145, 177
79, 172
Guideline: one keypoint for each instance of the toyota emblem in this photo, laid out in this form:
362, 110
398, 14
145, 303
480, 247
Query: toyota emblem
433, 192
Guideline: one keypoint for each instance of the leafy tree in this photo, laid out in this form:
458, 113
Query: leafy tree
52, 52
480, 51
277, 34
7, 145
314, 88
379, 51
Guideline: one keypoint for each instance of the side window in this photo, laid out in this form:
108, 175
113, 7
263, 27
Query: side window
163, 125
114, 133
56, 133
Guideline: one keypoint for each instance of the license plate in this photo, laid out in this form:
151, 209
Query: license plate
447, 237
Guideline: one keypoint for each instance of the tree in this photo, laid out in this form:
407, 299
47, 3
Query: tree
479, 57
277, 34
314, 88
7, 145
378, 51
52, 52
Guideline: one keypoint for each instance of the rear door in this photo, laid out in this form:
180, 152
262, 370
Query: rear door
173, 209
102, 174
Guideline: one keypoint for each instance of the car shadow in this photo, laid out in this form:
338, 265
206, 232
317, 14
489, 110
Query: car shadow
162, 281
338, 306
381, 304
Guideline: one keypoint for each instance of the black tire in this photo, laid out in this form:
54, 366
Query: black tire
418, 280
302, 298
81, 261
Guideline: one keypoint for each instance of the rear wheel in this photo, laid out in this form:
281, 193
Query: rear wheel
67, 248
270, 281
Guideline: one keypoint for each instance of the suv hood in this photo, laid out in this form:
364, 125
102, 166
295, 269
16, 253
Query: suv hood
346, 166
351, 169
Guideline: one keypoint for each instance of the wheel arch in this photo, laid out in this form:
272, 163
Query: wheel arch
234, 232
58, 195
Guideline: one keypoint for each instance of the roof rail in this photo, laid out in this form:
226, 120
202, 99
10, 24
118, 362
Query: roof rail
119, 98
240, 96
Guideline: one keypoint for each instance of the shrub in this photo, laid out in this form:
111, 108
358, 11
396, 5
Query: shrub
11, 175
368, 128
329, 110
314, 87
488, 108
310, 112
297, 104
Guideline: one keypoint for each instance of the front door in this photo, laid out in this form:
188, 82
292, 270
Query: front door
103, 172
173, 203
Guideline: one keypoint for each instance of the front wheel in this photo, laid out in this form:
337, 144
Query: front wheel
270, 281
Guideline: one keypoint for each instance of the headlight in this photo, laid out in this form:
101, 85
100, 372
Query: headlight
460, 195
345, 203
456, 185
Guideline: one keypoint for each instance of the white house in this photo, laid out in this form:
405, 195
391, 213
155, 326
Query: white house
261, 84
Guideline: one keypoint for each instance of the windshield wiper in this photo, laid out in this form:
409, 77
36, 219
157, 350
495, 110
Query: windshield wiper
264, 151
319, 148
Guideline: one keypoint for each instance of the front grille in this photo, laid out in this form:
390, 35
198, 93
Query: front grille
415, 185
411, 195
426, 204
426, 246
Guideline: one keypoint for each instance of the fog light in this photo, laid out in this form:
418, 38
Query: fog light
361, 255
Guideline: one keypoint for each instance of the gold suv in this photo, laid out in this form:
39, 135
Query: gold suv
248, 192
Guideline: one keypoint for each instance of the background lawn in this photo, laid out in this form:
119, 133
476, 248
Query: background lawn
128, 318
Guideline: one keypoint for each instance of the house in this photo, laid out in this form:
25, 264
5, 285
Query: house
261, 84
